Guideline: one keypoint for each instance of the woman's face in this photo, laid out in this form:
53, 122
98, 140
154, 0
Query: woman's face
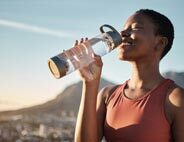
139, 39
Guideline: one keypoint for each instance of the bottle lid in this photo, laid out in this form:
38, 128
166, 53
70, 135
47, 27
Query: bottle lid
114, 35
57, 67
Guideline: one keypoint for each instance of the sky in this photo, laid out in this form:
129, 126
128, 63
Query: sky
32, 31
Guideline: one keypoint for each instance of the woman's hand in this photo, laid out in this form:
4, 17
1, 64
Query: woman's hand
92, 71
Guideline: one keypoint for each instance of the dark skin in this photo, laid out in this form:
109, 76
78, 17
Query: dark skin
143, 50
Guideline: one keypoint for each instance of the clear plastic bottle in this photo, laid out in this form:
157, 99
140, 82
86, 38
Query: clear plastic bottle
81, 55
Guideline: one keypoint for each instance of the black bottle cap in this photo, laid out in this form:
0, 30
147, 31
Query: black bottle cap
57, 67
114, 35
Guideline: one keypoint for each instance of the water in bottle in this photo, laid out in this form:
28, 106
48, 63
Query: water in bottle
81, 55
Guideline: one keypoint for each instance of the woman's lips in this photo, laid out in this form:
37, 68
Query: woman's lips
126, 45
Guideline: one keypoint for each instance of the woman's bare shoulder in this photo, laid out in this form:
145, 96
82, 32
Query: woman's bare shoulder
176, 101
176, 96
106, 92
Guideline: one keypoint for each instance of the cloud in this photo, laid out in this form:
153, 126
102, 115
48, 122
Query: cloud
36, 29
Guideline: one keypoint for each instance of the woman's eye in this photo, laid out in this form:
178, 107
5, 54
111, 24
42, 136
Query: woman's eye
136, 28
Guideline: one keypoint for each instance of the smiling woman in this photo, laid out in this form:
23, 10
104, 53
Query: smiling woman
143, 108
135, 33
24, 75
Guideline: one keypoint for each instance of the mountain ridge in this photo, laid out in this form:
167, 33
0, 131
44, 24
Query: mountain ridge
69, 99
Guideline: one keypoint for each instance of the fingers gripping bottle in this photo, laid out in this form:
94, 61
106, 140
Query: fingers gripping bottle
80, 55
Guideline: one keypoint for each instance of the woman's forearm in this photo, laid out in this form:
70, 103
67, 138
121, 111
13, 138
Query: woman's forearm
86, 126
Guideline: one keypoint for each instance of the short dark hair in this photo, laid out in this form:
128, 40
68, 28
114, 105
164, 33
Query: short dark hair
163, 25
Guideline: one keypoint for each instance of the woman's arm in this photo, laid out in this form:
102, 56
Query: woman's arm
86, 126
177, 101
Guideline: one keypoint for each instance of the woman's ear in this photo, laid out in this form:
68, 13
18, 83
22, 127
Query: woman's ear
164, 41
161, 43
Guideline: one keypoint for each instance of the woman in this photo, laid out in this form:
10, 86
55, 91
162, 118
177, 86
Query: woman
147, 107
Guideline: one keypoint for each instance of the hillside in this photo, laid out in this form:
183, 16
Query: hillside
69, 99
177, 77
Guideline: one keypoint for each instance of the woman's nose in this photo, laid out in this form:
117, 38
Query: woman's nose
125, 33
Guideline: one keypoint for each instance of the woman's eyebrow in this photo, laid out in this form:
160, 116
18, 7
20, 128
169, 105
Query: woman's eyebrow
137, 24
140, 24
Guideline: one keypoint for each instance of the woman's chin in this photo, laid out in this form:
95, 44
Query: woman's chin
122, 57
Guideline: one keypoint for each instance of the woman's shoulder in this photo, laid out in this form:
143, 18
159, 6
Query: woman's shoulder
108, 91
176, 95
176, 108
174, 100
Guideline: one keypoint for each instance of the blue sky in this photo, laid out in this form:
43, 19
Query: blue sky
33, 31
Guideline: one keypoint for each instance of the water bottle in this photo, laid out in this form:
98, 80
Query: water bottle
80, 55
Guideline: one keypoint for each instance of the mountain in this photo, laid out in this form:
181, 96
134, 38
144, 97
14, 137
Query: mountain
177, 77
69, 99
54, 120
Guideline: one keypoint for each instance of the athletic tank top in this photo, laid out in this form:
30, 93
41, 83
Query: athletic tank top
140, 120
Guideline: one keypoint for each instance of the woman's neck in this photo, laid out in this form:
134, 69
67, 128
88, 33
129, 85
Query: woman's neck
145, 75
